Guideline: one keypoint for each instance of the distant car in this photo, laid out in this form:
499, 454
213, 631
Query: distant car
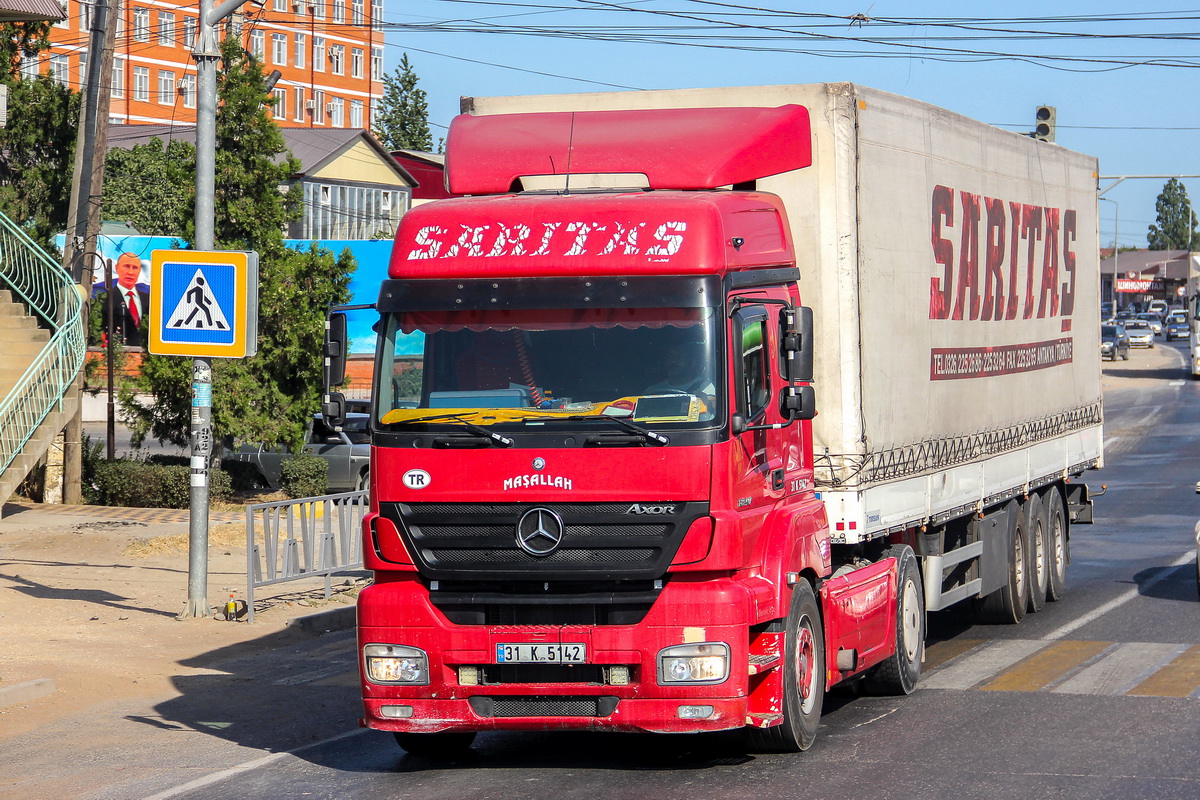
1157, 307
1176, 328
1153, 320
1114, 342
1140, 333
348, 452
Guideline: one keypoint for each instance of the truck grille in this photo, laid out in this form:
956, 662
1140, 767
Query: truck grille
600, 541
543, 706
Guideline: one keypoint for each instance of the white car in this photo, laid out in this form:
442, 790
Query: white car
1140, 333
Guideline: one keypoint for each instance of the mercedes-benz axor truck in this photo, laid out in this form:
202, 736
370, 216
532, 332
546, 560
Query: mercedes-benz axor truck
693, 404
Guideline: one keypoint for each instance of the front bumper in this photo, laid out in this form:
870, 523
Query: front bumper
686, 612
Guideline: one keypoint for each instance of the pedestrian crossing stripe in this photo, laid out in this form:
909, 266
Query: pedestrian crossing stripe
1146, 669
198, 308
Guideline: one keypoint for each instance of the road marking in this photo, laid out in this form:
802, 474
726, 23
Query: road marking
212, 778
939, 653
983, 664
1126, 666
1180, 678
1117, 602
1045, 667
1177, 383
1109, 441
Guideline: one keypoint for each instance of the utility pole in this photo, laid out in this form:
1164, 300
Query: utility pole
84, 215
207, 53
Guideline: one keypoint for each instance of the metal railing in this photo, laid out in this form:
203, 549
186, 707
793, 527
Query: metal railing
48, 292
305, 538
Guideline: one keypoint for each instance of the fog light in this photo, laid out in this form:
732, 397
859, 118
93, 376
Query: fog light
393, 663
468, 676
694, 663
695, 712
618, 676
395, 712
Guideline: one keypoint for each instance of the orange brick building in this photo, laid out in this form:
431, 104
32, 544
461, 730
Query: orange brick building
329, 52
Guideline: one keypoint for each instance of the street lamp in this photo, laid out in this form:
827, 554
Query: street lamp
1116, 248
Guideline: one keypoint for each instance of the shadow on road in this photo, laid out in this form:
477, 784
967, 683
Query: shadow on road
1158, 374
1180, 584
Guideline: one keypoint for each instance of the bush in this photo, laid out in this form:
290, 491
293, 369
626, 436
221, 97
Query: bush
244, 476
304, 476
143, 484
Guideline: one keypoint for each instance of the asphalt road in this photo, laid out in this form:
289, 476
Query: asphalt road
1095, 696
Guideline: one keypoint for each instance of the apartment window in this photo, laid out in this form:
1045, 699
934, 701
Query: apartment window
319, 53
189, 90
258, 44
65, 22
141, 84
166, 87
298, 49
166, 28
120, 12
356, 113
189, 31
339, 11
337, 58
376, 14
318, 8
376, 63
358, 14
279, 5
83, 72
279, 49
60, 69
337, 112
279, 107
318, 107
29, 67
298, 108
141, 24
86, 9
356, 62
118, 77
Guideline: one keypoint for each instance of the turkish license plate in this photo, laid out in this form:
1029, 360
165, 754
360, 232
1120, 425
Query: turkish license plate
555, 653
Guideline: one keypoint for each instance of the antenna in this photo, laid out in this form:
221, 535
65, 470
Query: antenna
570, 148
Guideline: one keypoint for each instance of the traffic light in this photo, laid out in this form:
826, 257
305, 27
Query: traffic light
1043, 129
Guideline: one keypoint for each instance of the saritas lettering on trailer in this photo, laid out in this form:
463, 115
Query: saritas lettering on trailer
549, 239
1013, 259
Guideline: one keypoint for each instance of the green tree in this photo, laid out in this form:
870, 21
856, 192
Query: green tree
402, 114
1176, 228
267, 397
152, 186
37, 148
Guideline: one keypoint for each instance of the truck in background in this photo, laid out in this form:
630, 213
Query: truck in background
701, 400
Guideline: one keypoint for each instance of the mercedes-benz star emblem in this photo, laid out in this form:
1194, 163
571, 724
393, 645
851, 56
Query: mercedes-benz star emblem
539, 531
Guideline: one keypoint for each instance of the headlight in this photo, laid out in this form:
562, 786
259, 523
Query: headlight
394, 663
694, 663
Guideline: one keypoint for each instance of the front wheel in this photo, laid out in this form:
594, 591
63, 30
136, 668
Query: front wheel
363, 483
803, 678
899, 673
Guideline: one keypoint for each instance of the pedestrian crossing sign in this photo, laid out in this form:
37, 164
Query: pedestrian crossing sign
203, 304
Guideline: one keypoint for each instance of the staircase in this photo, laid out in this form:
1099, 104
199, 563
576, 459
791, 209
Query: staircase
41, 351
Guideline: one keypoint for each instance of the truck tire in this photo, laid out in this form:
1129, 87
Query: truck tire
1057, 543
1006, 605
803, 679
1039, 553
446, 744
899, 674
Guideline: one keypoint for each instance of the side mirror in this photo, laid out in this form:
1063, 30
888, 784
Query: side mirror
798, 403
797, 344
335, 350
333, 409
737, 425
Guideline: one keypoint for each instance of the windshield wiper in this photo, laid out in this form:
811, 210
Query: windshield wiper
651, 436
478, 430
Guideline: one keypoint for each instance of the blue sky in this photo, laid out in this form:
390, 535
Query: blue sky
1123, 80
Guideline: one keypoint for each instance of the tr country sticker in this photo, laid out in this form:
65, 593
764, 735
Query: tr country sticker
416, 479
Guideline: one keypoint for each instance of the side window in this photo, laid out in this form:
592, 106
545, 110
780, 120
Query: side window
754, 391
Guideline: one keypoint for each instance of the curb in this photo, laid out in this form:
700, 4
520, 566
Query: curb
24, 692
335, 619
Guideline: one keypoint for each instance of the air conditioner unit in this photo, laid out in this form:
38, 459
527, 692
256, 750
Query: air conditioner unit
329, 108
310, 105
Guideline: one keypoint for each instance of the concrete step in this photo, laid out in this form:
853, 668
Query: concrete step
35, 448
13, 321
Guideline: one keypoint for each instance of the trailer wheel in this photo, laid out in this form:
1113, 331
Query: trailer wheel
899, 674
1039, 553
1058, 546
803, 679
446, 744
1006, 605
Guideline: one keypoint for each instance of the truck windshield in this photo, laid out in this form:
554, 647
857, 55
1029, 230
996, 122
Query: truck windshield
655, 366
